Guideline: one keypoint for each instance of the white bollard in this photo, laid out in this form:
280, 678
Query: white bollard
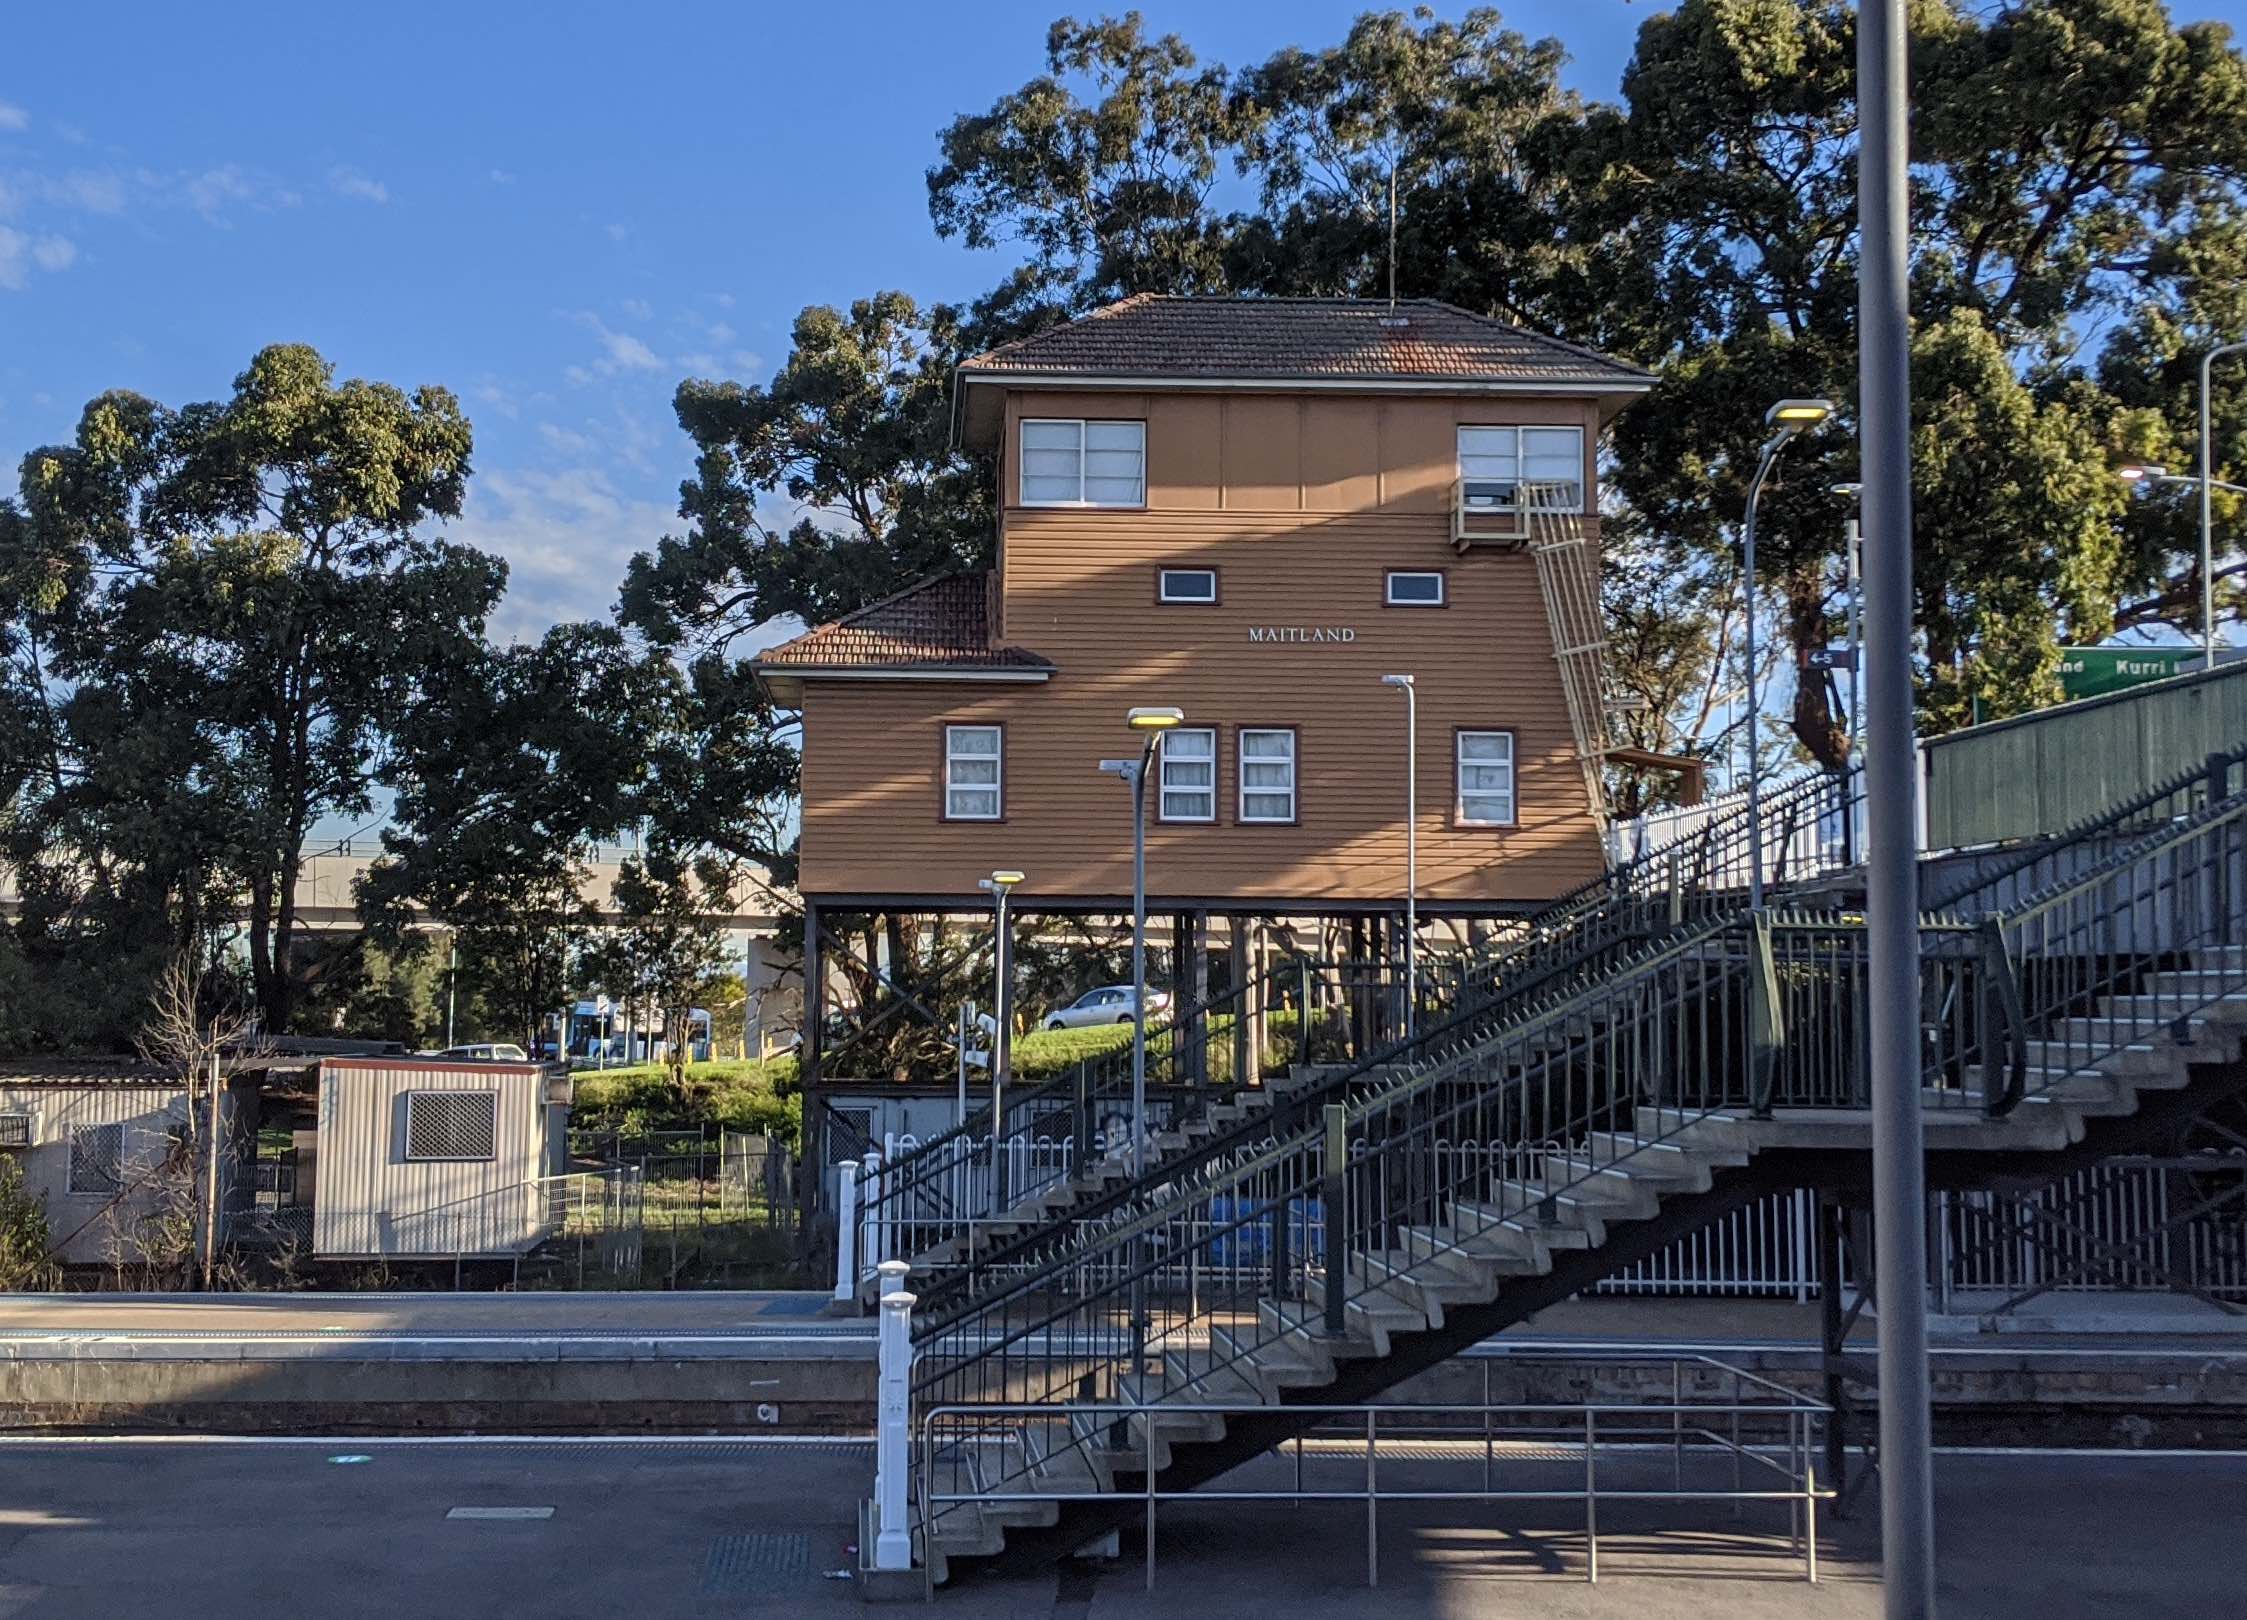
846, 1232
893, 1409
894, 1273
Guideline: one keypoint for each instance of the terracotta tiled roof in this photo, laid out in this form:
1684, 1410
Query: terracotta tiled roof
938, 623
1420, 339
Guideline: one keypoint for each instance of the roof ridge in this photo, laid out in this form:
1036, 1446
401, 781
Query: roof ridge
1543, 337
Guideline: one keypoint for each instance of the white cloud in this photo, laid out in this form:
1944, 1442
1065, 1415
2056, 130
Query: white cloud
21, 253
719, 332
500, 177
13, 117
747, 360
639, 309
91, 191
577, 376
215, 190
725, 300
566, 536
347, 182
489, 391
702, 365
566, 440
617, 232
620, 351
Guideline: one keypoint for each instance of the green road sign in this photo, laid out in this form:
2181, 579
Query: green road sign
2092, 671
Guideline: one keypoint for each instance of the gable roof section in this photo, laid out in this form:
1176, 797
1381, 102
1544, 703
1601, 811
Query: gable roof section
1421, 339
937, 629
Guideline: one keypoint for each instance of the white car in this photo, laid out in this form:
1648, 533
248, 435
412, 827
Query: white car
488, 1052
1110, 1004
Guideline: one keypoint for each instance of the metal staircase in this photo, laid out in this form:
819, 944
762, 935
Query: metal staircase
1568, 579
1180, 1325
952, 1205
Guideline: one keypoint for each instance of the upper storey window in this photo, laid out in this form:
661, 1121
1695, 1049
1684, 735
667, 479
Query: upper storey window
1067, 463
1495, 463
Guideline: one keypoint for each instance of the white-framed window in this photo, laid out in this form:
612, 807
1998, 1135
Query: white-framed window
1485, 779
1494, 463
1267, 771
97, 1158
18, 1130
974, 785
1079, 463
1197, 586
456, 1125
1407, 588
1186, 773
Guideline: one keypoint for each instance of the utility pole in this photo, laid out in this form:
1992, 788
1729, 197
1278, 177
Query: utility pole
1907, 1515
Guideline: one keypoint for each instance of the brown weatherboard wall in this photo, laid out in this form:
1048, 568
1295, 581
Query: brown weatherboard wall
1303, 505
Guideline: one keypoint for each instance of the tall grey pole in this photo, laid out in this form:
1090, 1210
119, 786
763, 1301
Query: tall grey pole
1002, 1044
2207, 532
1139, 958
1907, 1513
1755, 716
452, 982
1411, 846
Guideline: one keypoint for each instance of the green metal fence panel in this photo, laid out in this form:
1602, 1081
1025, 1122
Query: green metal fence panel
2039, 773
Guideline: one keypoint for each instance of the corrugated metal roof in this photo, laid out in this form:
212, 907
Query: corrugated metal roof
1418, 339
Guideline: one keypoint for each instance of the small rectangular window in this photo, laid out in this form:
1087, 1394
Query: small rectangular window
452, 1125
1194, 585
97, 1158
1486, 779
1079, 463
973, 785
1187, 771
15, 1130
1414, 590
1501, 466
1267, 769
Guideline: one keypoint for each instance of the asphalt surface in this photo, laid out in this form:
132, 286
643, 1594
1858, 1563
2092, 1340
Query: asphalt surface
554, 1529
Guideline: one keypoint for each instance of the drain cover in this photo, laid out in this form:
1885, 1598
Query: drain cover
755, 1563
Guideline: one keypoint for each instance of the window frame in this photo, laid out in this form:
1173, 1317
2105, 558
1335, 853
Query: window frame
1082, 424
1216, 786
1521, 467
406, 1151
30, 1118
1216, 585
1459, 820
1241, 762
117, 1176
1442, 577
944, 784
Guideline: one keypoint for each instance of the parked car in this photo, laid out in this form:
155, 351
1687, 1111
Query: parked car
488, 1052
1110, 1004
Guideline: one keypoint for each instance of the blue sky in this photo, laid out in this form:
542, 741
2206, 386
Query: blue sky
556, 210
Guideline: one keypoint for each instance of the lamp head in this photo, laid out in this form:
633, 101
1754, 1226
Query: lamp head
2140, 472
1396, 680
1154, 719
1001, 880
1125, 768
1847, 492
1794, 415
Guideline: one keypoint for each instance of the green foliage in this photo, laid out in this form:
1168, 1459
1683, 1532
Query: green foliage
760, 1097
25, 1240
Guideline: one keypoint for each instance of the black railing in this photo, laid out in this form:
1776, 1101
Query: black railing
1172, 1285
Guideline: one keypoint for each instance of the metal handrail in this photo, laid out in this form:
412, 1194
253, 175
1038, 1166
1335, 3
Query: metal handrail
1177, 1282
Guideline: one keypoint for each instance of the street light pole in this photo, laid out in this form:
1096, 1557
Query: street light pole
2207, 532
1787, 418
999, 885
1404, 684
1907, 1512
1152, 723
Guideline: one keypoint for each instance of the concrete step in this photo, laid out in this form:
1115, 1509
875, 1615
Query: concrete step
1288, 1362
2106, 1095
1505, 1251
2200, 1033
1213, 1376
1488, 1221
1697, 1150
2159, 1008
2228, 958
1283, 1321
1691, 1127
1627, 1176
2196, 981
1457, 1279
1377, 1312
1590, 1209
2133, 1059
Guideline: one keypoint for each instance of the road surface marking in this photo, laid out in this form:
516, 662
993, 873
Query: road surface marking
501, 1513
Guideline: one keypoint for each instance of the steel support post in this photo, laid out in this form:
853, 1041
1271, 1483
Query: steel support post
1891, 887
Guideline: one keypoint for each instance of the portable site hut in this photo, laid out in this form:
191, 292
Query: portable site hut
435, 1158
101, 1144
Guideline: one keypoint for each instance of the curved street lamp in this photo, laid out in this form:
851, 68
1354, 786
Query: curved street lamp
1150, 723
1786, 419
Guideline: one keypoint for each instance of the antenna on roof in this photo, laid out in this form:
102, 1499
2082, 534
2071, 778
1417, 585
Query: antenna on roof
1392, 236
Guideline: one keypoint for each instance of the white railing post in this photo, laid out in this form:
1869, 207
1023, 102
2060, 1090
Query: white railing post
893, 1408
846, 1231
875, 1247
893, 1273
